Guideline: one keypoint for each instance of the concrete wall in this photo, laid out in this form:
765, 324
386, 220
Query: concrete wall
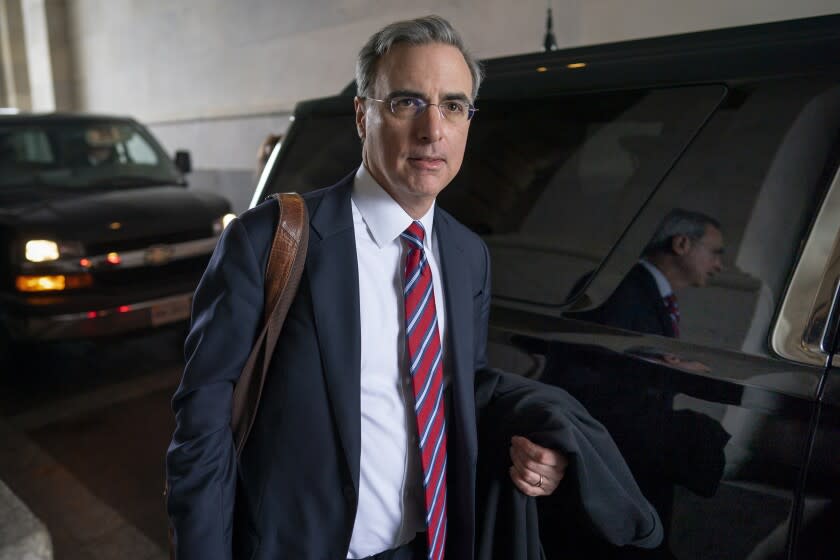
165, 60
216, 76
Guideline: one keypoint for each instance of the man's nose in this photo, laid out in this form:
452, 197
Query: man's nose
429, 125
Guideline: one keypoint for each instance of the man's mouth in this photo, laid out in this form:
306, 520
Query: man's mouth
429, 163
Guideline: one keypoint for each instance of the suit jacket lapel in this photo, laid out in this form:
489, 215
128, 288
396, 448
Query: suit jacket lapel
332, 269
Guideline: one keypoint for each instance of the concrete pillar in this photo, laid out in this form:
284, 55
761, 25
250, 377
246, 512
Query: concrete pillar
61, 55
36, 56
37, 42
14, 74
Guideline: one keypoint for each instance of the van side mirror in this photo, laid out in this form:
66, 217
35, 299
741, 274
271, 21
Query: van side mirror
183, 161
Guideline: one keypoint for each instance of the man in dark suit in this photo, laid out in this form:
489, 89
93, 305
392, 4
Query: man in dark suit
365, 443
685, 251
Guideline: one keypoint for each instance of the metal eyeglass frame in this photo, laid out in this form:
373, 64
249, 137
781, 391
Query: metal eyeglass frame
471, 109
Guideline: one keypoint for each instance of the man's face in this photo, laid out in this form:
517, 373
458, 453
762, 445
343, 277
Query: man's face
703, 258
414, 159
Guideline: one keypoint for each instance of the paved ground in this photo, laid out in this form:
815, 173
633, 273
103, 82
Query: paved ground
83, 431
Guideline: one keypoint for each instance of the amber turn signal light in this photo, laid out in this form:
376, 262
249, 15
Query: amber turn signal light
54, 283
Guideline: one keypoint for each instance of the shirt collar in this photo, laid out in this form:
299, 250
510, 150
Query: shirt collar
385, 219
662, 283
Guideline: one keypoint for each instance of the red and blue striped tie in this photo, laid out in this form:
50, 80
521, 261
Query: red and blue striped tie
673, 312
425, 360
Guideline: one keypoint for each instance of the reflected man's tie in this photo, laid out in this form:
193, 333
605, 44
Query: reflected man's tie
674, 312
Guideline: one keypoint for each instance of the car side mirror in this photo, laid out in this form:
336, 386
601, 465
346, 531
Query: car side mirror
183, 161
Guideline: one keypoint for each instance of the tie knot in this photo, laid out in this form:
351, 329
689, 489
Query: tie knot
415, 234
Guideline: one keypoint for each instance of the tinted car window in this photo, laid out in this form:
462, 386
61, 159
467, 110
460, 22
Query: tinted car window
533, 172
760, 168
80, 154
553, 183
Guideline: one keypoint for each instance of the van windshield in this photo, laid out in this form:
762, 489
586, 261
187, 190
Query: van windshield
80, 154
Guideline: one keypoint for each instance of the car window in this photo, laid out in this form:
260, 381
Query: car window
139, 152
759, 169
25, 145
551, 183
317, 153
80, 153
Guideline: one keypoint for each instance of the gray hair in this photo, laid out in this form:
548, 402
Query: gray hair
679, 222
420, 31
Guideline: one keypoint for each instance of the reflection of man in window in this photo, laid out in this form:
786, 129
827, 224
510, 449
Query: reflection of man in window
663, 446
685, 251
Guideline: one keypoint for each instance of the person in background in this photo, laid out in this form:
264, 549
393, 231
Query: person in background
265, 149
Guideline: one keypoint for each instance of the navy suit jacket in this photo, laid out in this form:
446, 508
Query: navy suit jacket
294, 492
296, 489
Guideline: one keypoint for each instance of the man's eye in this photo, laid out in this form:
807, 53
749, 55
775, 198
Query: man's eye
407, 102
454, 107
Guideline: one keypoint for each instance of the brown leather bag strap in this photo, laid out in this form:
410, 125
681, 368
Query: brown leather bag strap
282, 277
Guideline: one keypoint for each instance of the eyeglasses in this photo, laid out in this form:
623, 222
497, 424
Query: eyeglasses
407, 108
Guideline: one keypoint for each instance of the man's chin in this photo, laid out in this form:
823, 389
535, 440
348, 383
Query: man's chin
427, 188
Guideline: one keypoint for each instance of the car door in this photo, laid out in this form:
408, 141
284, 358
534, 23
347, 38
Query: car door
807, 332
715, 424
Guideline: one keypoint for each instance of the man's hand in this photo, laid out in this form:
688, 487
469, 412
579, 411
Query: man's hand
536, 470
690, 365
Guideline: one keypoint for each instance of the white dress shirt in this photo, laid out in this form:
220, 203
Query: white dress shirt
662, 283
391, 508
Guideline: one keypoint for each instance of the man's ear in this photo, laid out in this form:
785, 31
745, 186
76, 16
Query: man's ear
680, 244
359, 105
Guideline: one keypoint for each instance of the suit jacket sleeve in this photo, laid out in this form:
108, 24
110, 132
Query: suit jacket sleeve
201, 460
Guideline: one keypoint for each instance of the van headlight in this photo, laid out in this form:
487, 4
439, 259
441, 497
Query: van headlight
220, 224
47, 250
41, 250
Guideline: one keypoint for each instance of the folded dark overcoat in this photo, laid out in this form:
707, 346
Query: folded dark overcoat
597, 477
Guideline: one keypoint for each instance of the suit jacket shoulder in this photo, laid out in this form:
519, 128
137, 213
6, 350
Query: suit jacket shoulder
260, 222
634, 305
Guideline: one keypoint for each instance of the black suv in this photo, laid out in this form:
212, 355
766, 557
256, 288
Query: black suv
98, 233
733, 428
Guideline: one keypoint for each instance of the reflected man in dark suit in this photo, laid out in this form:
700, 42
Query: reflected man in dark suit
685, 251
634, 400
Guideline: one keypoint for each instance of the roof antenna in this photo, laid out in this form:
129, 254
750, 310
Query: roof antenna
549, 42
